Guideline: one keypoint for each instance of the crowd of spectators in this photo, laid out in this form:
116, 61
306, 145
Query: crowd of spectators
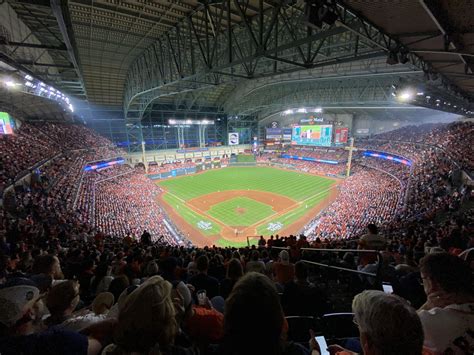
367, 196
455, 138
305, 166
33, 143
83, 272
122, 296
167, 167
127, 204
337, 154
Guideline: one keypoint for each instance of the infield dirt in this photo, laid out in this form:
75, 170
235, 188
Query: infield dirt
280, 204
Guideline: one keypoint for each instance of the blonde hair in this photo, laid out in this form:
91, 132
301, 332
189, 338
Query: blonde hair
146, 319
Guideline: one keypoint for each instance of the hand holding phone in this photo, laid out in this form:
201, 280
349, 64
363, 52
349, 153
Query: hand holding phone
201, 296
323, 346
387, 288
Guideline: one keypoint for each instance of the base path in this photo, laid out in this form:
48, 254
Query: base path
280, 204
205, 202
185, 228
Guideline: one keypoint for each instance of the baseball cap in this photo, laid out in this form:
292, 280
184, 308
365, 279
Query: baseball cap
16, 297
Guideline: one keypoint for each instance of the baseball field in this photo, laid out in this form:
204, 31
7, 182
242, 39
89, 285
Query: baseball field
225, 206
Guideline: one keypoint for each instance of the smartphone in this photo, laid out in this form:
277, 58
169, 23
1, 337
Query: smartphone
201, 296
387, 288
323, 346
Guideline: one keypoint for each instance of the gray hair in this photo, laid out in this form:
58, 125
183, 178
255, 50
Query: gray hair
389, 322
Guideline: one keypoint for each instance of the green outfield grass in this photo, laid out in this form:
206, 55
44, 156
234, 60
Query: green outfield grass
287, 183
307, 189
245, 158
227, 212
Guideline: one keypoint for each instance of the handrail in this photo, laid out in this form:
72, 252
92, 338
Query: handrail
340, 268
343, 250
377, 275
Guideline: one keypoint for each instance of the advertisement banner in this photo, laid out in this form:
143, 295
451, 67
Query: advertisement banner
273, 133
286, 133
341, 135
362, 131
234, 138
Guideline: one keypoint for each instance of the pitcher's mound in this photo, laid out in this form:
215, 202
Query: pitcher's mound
240, 210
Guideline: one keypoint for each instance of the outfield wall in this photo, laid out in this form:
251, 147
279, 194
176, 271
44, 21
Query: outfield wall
160, 156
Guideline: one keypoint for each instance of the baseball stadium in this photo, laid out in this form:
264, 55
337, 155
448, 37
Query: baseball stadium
236, 177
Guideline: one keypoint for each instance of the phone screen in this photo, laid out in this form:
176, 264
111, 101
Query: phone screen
201, 296
387, 288
322, 345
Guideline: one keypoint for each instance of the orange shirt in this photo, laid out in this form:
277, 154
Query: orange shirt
206, 324
283, 272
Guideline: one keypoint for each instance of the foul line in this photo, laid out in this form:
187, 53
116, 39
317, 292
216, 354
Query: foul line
288, 209
179, 198
256, 224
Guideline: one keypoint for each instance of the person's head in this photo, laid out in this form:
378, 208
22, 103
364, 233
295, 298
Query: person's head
63, 298
284, 257
372, 228
20, 307
147, 318
253, 317
301, 271
387, 324
118, 284
443, 272
49, 265
255, 255
152, 268
234, 269
202, 263
103, 302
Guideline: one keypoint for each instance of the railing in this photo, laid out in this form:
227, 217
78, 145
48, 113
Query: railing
377, 275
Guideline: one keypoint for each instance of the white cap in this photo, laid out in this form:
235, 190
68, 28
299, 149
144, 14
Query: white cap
15, 301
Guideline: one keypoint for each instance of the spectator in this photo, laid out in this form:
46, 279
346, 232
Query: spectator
234, 273
48, 265
202, 281
146, 321
20, 326
387, 325
448, 314
61, 301
302, 298
283, 270
255, 264
254, 321
372, 240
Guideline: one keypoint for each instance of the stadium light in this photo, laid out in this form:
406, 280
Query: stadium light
406, 95
301, 110
288, 112
10, 83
